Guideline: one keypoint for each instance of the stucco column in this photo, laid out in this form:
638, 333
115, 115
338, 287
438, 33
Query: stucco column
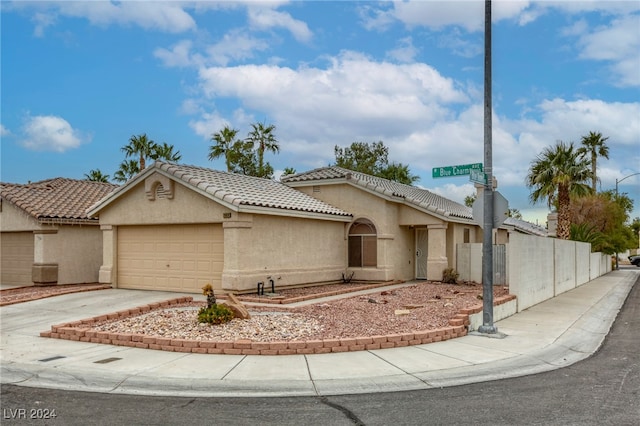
109, 243
45, 261
236, 237
437, 251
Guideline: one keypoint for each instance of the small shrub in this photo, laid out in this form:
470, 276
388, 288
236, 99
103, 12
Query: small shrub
450, 276
215, 314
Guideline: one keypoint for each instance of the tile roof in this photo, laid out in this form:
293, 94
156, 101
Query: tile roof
58, 200
526, 227
410, 195
244, 193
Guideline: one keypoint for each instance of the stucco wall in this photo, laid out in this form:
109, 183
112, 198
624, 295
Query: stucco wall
14, 220
600, 264
531, 271
469, 262
583, 260
395, 224
256, 246
288, 250
395, 246
78, 252
76, 249
564, 265
134, 208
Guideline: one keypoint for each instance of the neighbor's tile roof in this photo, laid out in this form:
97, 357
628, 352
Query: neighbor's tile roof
58, 200
408, 194
240, 191
526, 227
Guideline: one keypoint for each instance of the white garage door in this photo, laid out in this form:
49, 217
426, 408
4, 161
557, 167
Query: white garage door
171, 258
17, 258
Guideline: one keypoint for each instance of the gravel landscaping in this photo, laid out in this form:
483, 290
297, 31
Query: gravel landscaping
419, 307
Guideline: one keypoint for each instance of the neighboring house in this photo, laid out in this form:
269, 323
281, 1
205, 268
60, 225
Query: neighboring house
521, 226
46, 236
177, 228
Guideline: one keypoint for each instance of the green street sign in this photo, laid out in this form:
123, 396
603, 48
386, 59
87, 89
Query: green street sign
478, 176
453, 171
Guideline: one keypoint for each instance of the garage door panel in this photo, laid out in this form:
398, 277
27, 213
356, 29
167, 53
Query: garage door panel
172, 258
17, 258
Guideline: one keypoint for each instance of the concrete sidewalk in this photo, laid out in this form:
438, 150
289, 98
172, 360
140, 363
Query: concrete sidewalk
551, 335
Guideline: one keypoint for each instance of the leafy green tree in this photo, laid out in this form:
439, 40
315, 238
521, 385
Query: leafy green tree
127, 170
289, 171
225, 141
96, 175
363, 157
139, 146
372, 159
635, 230
594, 146
607, 214
557, 174
243, 159
165, 152
263, 139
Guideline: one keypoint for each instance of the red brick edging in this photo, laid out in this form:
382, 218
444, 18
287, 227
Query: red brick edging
44, 296
81, 331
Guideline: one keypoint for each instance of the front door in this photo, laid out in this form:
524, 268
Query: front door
421, 254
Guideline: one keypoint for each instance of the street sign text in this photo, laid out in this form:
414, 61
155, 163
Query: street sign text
452, 171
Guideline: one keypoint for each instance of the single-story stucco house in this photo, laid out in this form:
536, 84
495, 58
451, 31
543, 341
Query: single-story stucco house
46, 236
179, 227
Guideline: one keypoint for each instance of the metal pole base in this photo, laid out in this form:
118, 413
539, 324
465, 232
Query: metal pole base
494, 335
487, 329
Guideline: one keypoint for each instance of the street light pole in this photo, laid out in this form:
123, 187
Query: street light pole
617, 182
487, 241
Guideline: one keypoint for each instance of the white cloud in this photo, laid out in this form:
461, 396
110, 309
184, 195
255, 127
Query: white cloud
352, 99
454, 192
618, 43
4, 131
42, 21
405, 52
236, 45
179, 55
50, 133
161, 16
266, 18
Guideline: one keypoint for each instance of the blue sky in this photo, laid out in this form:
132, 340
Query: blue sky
80, 78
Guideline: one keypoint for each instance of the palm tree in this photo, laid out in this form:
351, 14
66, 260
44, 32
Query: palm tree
165, 152
224, 142
288, 171
95, 175
127, 170
594, 144
557, 174
140, 146
263, 136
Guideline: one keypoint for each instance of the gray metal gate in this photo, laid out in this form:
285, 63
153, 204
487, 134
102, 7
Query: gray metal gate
499, 264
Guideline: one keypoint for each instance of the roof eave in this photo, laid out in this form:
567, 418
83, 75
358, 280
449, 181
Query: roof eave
304, 214
121, 190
